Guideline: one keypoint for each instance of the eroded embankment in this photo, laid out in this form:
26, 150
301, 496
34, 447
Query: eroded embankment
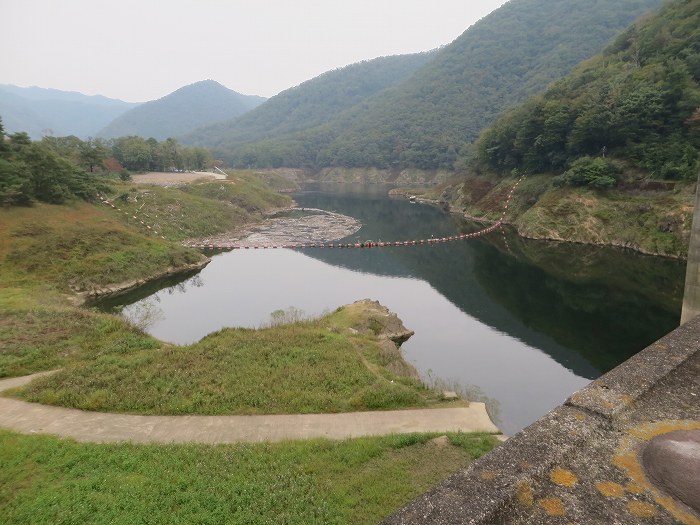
636, 216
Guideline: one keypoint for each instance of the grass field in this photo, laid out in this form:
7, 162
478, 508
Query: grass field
44, 480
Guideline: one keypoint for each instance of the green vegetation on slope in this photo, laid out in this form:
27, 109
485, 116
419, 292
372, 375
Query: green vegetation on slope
80, 247
653, 221
47, 481
597, 143
310, 104
197, 209
639, 101
426, 120
181, 111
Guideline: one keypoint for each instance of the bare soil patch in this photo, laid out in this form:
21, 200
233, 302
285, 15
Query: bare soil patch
169, 178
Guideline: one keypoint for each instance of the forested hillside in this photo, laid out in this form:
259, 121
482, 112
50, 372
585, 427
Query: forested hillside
637, 102
39, 111
312, 103
182, 111
425, 121
612, 151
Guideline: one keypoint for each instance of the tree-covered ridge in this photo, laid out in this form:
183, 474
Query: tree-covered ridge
425, 121
639, 100
182, 111
312, 103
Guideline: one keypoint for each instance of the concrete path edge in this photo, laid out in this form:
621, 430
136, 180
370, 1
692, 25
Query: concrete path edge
99, 427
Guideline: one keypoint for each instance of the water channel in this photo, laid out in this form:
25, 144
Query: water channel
522, 323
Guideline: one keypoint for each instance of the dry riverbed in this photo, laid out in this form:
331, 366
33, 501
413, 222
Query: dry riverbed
290, 226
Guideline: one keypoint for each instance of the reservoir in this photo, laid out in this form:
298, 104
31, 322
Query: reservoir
519, 323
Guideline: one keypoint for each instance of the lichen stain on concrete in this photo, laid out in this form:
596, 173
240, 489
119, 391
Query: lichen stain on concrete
488, 475
640, 509
610, 489
634, 488
627, 399
552, 506
563, 477
524, 494
627, 459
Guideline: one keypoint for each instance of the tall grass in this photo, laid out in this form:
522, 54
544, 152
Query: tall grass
306, 367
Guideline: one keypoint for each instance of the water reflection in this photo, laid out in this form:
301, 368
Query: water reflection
527, 325
599, 305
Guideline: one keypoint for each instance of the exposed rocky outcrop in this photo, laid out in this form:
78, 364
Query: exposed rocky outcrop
370, 317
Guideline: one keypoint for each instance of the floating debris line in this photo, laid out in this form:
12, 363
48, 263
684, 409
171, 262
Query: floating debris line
238, 245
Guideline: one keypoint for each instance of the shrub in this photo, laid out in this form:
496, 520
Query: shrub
596, 172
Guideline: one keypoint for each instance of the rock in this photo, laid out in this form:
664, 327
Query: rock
672, 461
449, 396
441, 441
379, 320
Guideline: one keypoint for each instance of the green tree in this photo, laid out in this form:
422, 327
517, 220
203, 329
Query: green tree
132, 152
92, 153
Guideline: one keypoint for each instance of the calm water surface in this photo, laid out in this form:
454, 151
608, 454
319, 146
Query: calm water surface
523, 323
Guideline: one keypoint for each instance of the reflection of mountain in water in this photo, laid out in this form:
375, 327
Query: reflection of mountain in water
589, 308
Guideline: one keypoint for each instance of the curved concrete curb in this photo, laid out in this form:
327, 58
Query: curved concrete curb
100, 427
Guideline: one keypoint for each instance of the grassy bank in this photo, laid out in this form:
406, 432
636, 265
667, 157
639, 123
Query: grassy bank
79, 246
654, 221
50, 252
306, 367
44, 480
198, 209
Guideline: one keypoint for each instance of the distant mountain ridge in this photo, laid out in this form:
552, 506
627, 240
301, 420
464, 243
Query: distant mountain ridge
39, 111
425, 120
182, 111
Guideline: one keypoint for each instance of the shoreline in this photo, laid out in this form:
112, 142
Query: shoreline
116, 289
481, 220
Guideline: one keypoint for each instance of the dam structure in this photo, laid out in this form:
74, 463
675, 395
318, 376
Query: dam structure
691, 298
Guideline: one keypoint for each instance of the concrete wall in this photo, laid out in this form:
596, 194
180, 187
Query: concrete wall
691, 299
581, 463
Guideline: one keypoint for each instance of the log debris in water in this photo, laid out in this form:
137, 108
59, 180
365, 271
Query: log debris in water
292, 226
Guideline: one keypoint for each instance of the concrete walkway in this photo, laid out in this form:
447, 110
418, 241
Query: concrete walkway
100, 427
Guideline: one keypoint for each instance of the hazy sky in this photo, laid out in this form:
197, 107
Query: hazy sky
139, 50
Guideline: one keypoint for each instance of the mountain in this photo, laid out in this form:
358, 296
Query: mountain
637, 103
425, 121
182, 111
40, 111
611, 151
312, 103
